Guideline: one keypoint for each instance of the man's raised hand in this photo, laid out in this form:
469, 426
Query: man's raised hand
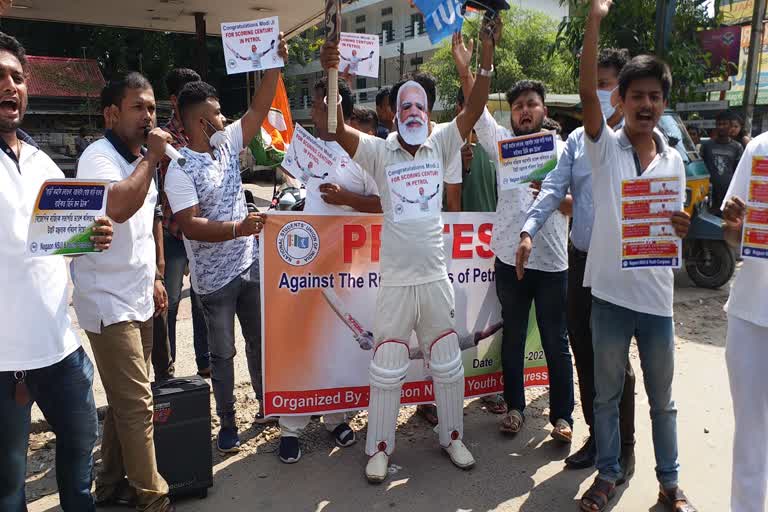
462, 53
600, 8
282, 48
490, 31
329, 55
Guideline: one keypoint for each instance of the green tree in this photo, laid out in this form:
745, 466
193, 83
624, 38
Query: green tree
686, 58
525, 51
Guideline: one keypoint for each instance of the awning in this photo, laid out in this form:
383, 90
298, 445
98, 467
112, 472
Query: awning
170, 15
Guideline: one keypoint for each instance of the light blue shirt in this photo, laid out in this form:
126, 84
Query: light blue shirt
574, 172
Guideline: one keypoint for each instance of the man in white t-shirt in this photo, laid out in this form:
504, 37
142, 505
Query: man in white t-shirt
415, 293
116, 294
746, 349
41, 359
540, 276
208, 202
633, 302
348, 189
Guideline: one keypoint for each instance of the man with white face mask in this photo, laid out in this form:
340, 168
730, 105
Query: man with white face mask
574, 173
415, 293
206, 196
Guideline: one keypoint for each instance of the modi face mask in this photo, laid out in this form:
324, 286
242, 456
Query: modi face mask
412, 113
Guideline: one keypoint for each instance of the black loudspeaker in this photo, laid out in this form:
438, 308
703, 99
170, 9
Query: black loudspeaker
182, 423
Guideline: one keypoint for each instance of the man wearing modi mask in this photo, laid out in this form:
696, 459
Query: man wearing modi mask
415, 294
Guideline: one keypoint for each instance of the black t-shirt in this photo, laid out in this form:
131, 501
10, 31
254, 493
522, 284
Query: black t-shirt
721, 160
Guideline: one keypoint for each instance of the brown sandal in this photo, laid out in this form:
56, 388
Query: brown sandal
495, 404
598, 495
512, 422
675, 500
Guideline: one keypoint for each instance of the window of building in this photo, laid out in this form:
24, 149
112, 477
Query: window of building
360, 19
417, 61
418, 18
360, 83
387, 11
360, 30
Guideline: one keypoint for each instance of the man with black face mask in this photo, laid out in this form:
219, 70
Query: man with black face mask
206, 196
544, 279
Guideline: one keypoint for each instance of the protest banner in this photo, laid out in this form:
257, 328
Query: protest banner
309, 160
754, 243
526, 158
320, 277
251, 45
648, 238
64, 216
359, 54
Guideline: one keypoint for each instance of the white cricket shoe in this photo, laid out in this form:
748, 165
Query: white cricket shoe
376, 469
459, 454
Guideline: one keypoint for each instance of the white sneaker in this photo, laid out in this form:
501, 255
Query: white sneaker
459, 454
376, 469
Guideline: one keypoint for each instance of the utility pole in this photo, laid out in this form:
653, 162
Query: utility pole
665, 14
202, 49
753, 65
402, 60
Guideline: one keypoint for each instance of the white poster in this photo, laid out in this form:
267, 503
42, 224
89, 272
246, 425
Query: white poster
359, 54
415, 189
251, 45
309, 160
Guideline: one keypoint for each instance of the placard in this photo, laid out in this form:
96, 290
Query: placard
526, 158
251, 45
359, 54
308, 160
64, 216
754, 243
648, 239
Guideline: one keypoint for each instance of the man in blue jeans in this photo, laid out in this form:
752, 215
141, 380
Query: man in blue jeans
543, 281
173, 240
207, 197
631, 302
41, 359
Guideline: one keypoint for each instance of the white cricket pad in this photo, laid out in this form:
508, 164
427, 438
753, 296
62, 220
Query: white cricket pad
387, 372
448, 378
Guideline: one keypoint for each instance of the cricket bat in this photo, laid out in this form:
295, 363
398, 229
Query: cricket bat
332, 33
362, 337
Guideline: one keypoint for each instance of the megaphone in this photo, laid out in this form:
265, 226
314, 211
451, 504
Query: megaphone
491, 8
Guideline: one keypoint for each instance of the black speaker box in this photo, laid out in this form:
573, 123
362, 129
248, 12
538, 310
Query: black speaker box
182, 423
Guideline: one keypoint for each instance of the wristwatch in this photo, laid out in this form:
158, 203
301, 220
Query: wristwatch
485, 72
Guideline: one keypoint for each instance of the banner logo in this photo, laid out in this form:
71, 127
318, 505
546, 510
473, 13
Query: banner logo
298, 243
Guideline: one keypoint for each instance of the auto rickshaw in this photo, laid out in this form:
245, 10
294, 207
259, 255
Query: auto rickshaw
708, 260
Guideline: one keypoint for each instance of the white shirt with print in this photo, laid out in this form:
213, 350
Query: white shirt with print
215, 186
550, 246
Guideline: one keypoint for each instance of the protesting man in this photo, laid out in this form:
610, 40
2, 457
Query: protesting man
542, 280
173, 243
116, 294
41, 359
721, 155
384, 111
574, 173
348, 189
415, 293
746, 349
207, 198
633, 302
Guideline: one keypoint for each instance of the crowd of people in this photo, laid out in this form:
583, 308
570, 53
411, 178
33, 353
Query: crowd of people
162, 218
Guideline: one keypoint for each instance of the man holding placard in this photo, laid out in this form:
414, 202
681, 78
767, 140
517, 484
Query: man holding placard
630, 301
574, 173
349, 188
747, 340
41, 358
523, 158
207, 199
415, 292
